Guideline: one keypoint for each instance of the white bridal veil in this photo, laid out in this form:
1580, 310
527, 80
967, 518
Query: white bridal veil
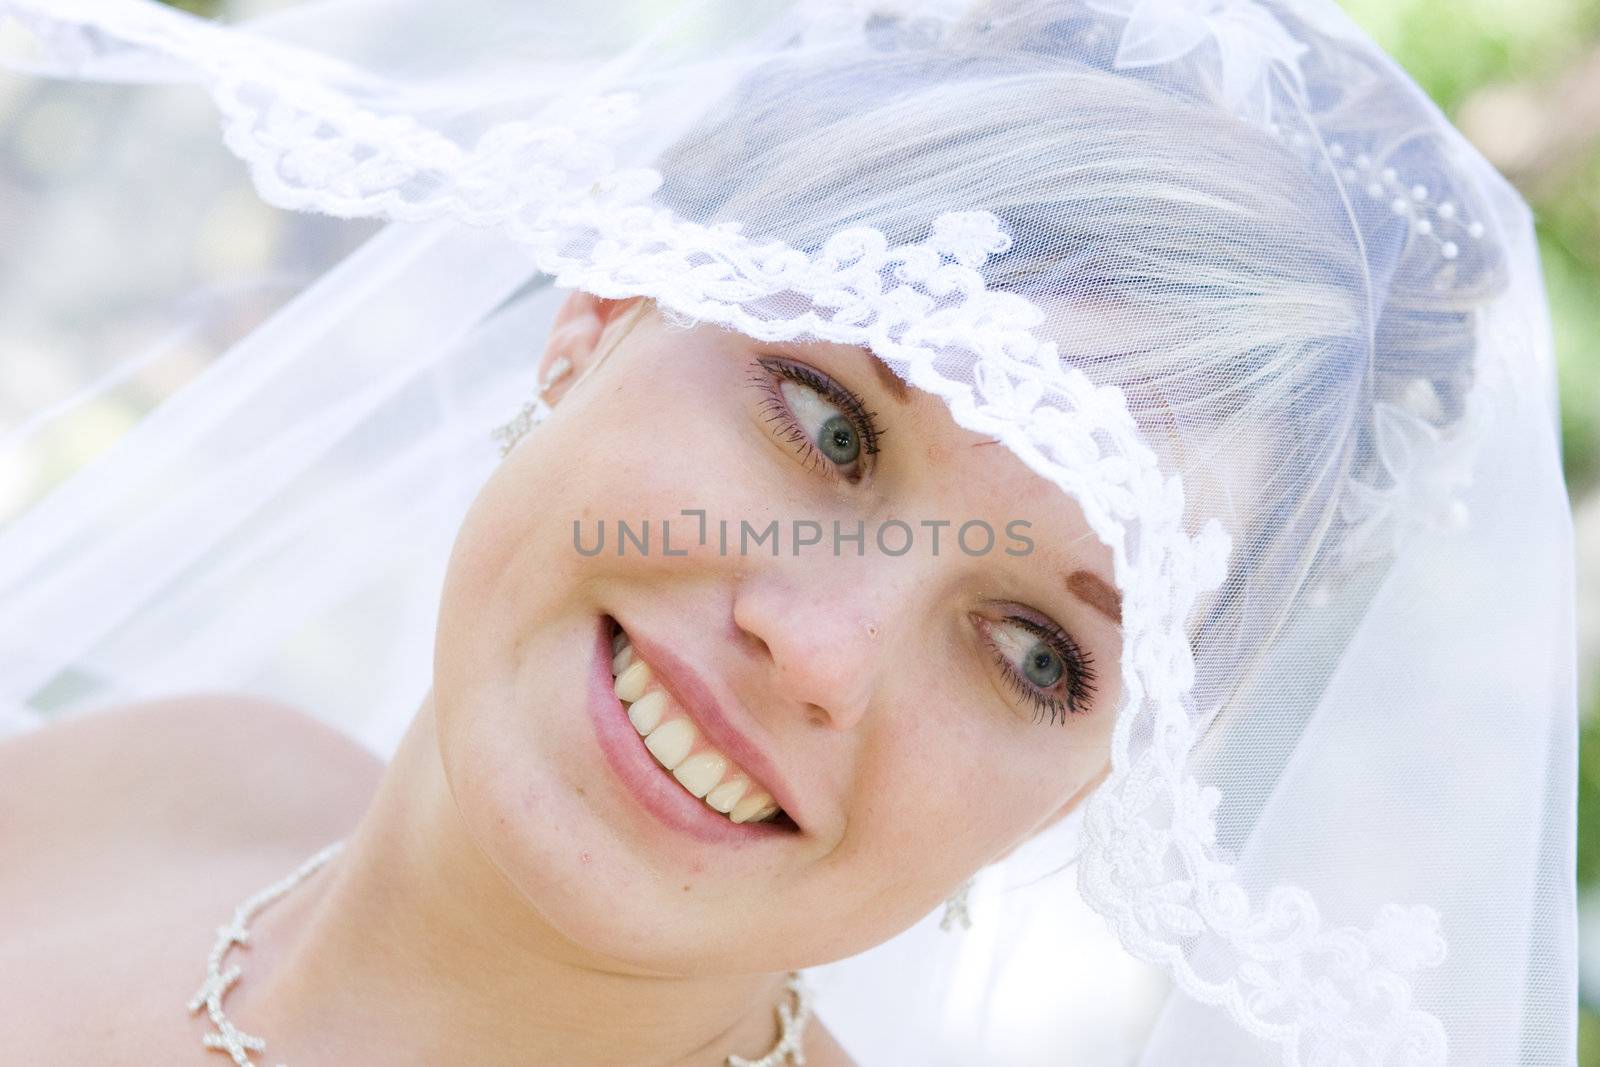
1215, 268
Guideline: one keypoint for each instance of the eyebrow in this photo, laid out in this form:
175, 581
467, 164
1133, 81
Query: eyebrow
892, 383
1092, 590
1085, 585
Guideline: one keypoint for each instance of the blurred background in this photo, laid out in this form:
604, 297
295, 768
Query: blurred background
1521, 78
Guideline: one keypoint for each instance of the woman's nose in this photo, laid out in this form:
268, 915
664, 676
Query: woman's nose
823, 632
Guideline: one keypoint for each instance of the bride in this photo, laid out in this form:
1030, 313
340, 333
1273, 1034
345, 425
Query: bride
522, 838
963, 440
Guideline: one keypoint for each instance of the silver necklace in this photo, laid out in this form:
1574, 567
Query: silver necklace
236, 1043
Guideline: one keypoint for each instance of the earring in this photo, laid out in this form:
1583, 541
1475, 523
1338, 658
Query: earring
558, 370
955, 909
533, 412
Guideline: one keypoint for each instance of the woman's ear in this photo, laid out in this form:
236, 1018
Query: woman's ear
576, 336
1067, 808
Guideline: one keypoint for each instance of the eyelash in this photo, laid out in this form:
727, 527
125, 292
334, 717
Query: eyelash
861, 420
1080, 673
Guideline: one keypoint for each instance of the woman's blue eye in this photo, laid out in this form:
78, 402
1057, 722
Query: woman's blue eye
1043, 665
827, 422
823, 423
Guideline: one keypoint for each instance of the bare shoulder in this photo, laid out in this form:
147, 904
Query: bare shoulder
138, 825
199, 768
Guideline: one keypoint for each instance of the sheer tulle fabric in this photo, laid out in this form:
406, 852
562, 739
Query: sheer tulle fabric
1217, 270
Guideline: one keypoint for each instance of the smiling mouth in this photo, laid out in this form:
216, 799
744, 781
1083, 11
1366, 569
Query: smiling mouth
675, 742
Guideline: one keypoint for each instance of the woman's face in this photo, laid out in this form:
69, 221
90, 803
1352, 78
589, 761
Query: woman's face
917, 705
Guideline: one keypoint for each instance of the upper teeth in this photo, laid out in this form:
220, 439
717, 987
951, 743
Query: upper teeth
671, 737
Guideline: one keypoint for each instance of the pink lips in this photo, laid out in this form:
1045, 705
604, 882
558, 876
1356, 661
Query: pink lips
645, 779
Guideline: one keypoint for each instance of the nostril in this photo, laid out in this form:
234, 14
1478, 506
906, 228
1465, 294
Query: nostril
756, 641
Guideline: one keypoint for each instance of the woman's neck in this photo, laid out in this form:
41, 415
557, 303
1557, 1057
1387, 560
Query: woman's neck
411, 947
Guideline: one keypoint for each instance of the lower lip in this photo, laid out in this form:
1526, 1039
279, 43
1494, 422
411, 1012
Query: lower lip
651, 784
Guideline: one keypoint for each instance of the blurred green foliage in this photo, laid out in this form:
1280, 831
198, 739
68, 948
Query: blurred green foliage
1455, 47
206, 8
